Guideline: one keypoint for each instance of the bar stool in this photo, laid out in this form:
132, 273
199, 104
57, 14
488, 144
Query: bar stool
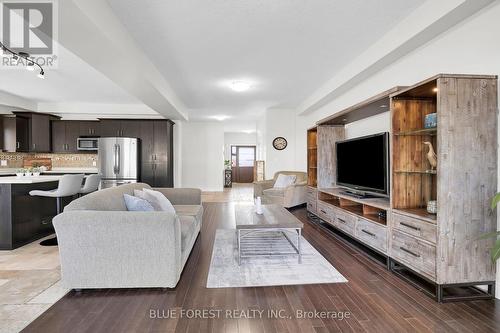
69, 185
91, 184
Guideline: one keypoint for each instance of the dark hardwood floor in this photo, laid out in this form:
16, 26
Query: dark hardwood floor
377, 300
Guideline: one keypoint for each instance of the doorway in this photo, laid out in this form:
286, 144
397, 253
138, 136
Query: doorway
242, 162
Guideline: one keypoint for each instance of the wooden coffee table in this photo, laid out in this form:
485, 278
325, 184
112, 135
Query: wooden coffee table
267, 234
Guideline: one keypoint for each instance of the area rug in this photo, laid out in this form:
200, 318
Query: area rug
266, 271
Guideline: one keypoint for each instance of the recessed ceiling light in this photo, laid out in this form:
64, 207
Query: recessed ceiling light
240, 86
220, 117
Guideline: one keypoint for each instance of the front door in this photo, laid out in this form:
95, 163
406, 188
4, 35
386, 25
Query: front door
242, 160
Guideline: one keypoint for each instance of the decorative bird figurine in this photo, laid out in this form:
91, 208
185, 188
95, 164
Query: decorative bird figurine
431, 155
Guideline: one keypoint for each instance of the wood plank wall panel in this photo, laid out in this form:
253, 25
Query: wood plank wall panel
467, 168
327, 136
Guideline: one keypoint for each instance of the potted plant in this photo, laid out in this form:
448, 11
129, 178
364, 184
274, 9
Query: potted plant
20, 172
495, 252
27, 172
36, 171
227, 164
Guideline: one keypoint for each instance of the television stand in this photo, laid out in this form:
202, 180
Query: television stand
358, 195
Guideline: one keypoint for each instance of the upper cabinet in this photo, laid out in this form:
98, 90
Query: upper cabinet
120, 128
26, 132
64, 136
90, 128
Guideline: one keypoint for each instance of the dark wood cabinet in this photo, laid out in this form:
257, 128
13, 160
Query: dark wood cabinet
157, 152
40, 133
90, 128
110, 127
120, 128
64, 136
26, 132
21, 137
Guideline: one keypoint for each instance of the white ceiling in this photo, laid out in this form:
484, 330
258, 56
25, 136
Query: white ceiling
288, 48
72, 80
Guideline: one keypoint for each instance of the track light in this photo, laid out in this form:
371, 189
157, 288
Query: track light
17, 56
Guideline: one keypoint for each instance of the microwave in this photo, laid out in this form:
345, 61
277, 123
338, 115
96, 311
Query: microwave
87, 143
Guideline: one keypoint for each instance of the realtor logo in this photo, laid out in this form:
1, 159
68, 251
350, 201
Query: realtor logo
29, 27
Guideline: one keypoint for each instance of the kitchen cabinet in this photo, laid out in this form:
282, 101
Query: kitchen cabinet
157, 152
90, 128
26, 132
120, 128
64, 136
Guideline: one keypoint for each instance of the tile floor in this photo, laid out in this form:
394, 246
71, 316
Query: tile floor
30, 275
29, 284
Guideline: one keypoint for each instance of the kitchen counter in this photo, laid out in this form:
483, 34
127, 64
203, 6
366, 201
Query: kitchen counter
12, 172
28, 180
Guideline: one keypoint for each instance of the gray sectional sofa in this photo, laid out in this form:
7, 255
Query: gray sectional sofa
102, 245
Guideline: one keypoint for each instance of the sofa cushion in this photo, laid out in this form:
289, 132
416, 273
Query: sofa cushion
135, 204
188, 228
107, 199
284, 180
158, 201
274, 192
195, 211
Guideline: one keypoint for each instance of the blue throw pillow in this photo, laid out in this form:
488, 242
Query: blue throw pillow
135, 204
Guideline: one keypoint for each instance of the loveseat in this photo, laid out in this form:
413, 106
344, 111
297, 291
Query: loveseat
102, 245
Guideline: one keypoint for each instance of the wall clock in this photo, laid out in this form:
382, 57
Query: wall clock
279, 143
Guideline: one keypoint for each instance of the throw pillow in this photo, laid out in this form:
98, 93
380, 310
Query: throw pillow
139, 194
158, 201
135, 204
284, 180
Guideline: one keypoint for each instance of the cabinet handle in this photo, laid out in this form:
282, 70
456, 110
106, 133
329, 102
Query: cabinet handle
409, 252
341, 220
369, 233
321, 210
410, 226
18, 145
34, 146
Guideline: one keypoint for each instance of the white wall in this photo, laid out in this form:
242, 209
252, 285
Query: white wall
202, 145
275, 123
470, 47
235, 138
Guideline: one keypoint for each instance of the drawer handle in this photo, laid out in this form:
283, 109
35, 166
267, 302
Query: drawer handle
409, 252
369, 233
410, 226
340, 220
321, 210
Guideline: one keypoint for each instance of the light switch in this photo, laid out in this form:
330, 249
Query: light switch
3, 163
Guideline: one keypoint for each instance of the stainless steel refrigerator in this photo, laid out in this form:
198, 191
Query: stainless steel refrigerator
118, 161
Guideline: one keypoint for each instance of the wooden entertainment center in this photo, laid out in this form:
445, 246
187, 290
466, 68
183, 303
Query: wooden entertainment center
439, 253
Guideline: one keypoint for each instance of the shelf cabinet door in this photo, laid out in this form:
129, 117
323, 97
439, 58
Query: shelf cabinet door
72, 134
110, 128
40, 133
89, 128
22, 143
163, 151
130, 128
58, 136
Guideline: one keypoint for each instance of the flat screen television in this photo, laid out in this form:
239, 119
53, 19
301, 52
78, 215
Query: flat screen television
363, 164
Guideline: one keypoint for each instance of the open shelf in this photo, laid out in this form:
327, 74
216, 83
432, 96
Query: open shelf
421, 131
356, 207
312, 157
424, 172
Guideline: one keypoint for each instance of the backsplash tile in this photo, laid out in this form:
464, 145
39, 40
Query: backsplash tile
15, 160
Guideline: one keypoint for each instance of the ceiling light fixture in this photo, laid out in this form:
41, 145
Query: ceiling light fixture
240, 86
220, 117
17, 56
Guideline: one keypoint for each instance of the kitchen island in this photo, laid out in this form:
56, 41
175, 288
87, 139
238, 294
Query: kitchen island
25, 218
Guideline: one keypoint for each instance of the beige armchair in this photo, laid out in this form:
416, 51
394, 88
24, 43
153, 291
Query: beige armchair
290, 196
